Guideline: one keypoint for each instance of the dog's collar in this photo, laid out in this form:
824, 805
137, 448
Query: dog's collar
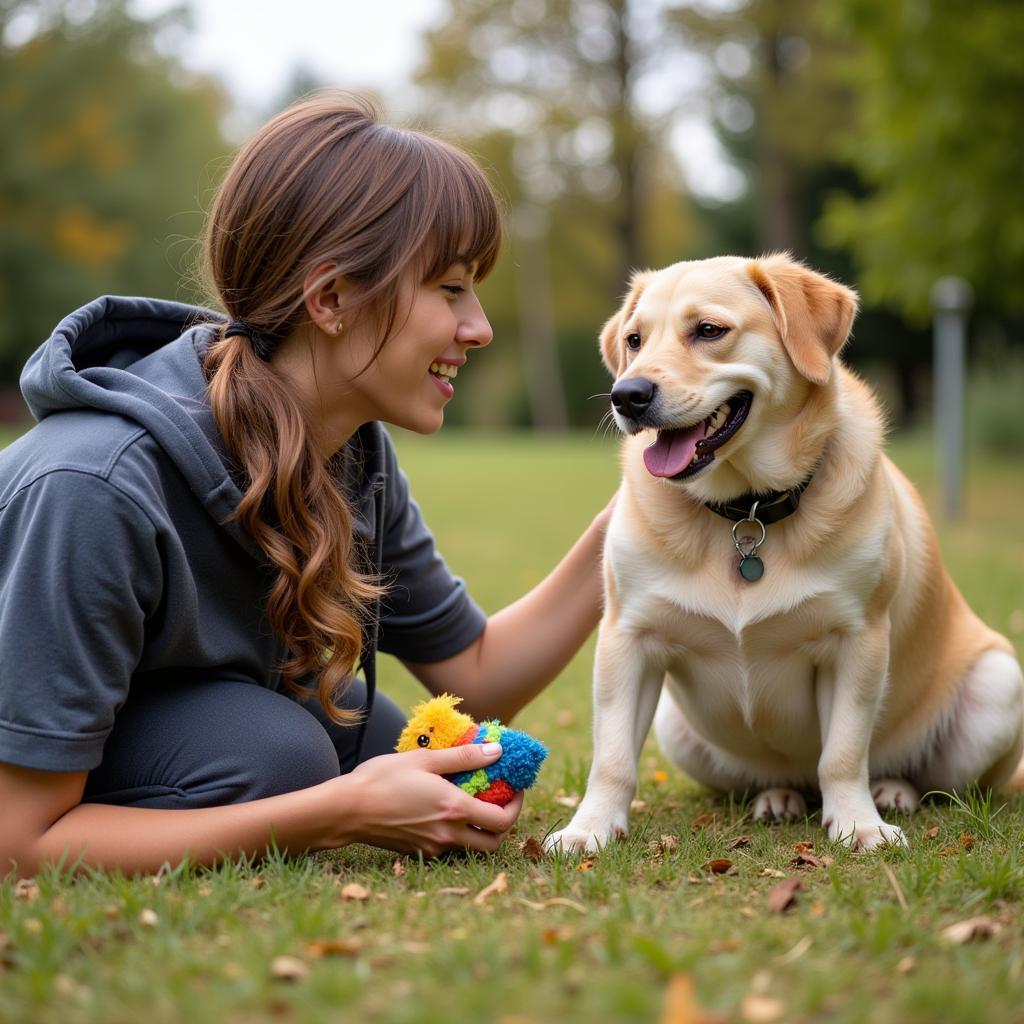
771, 507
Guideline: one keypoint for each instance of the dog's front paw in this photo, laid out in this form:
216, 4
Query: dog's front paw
894, 795
585, 834
778, 804
864, 834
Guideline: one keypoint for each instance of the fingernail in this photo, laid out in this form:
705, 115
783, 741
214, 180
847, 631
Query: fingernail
490, 749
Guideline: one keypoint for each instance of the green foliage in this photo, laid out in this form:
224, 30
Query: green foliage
104, 187
936, 137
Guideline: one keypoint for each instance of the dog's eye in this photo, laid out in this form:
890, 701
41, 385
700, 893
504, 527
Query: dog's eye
633, 341
708, 331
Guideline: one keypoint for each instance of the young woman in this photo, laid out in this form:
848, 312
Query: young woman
206, 537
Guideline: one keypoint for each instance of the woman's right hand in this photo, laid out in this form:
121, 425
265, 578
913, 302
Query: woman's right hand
401, 802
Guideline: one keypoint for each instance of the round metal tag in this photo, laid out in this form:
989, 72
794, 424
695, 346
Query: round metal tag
751, 568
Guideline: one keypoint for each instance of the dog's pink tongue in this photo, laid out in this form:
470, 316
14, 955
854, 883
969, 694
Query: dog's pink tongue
673, 451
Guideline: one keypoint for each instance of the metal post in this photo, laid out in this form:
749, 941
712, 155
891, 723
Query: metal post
952, 298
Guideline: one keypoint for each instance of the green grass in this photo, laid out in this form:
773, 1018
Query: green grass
592, 940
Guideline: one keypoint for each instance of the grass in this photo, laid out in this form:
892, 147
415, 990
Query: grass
594, 939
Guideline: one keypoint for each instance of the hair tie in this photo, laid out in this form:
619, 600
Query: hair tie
261, 344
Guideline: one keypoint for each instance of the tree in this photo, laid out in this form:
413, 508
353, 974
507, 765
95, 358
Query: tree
102, 191
936, 138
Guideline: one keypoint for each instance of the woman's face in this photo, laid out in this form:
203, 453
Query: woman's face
411, 379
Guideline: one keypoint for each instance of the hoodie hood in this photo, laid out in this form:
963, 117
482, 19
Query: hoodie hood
141, 359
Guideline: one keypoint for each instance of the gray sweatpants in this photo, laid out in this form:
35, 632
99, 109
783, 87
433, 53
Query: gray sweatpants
208, 744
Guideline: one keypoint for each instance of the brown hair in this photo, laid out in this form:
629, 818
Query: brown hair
325, 181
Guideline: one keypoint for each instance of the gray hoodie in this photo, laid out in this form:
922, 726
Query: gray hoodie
118, 568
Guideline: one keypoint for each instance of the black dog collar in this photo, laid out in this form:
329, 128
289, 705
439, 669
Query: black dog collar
771, 507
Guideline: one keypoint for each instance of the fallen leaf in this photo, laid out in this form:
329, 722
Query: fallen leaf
531, 849
947, 850
906, 965
638, 805
288, 968
499, 885
398, 868
971, 929
681, 1006
720, 866
453, 890
355, 891
818, 908
739, 842
772, 873
258, 882
748, 912
148, 918
967, 841
587, 864
803, 846
758, 1009
318, 948
783, 895
807, 860
567, 801
705, 819
932, 833
26, 889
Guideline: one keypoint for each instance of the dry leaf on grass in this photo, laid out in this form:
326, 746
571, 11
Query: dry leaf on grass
967, 841
932, 833
531, 849
453, 890
258, 882
772, 873
971, 929
567, 801
783, 895
319, 948
758, 1009
587, 864
26, 889
148, 918
288, 968
803, 846
638, 805
704, 820
355, 891
500, 884
809, 860
739, 842
681, 1006
906, 965
721, 866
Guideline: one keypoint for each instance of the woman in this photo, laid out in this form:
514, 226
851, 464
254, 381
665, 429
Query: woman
207, 530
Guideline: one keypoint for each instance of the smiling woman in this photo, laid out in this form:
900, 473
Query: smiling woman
211, 519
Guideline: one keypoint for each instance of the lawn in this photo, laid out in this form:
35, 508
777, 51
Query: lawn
678, 919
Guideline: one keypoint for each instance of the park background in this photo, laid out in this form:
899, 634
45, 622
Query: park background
879, 140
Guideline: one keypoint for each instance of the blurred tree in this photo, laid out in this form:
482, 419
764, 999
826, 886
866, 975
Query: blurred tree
101, 190
937, 138
546, 92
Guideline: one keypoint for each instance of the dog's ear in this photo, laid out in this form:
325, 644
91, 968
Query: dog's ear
814, 313
612, 346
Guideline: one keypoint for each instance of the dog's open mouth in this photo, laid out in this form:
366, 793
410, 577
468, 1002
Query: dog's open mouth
683, 451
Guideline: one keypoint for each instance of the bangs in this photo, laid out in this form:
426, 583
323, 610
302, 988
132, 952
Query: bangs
466, 218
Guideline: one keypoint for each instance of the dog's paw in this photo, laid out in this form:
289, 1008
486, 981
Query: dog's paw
778, 804
864, 834
894, 795
584, 835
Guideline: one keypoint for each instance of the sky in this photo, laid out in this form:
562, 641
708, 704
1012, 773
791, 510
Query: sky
256, 46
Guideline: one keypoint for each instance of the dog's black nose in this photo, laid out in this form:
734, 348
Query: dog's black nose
632, 397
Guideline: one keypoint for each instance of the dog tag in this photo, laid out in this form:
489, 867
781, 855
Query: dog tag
751, 568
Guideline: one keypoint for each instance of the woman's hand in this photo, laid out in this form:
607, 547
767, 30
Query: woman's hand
401, 802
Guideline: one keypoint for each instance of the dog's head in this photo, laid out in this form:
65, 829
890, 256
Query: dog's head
719, 356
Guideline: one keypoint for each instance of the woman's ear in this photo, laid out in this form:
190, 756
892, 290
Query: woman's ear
324, 291
814, 314
613, 345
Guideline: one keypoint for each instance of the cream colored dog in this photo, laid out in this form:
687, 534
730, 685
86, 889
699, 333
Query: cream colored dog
813, 641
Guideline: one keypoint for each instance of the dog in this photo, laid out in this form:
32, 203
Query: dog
774, 595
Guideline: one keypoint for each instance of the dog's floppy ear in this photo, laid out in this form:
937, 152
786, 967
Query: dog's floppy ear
814, 313
612, 347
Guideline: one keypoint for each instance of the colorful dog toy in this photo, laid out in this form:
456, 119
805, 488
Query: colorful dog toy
435, 724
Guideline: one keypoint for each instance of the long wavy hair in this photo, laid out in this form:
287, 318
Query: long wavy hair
324, 182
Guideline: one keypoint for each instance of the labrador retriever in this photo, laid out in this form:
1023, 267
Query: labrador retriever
775, 599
